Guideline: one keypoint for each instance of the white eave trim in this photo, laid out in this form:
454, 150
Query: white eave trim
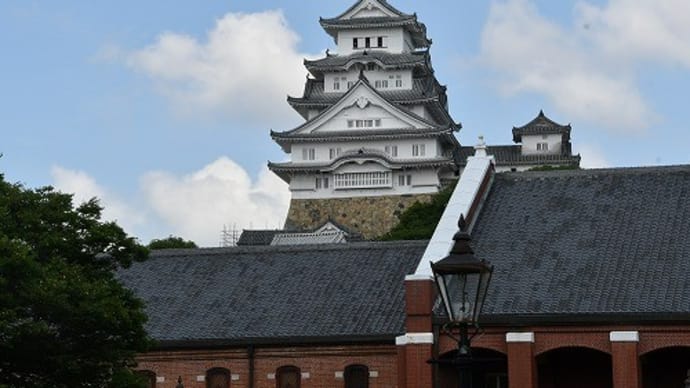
624, 336
520, 337
415, 339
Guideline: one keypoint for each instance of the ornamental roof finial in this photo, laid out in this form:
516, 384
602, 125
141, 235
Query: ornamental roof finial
480, 148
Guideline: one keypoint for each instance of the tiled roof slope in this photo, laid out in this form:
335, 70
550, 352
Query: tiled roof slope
511, 155
610, 244
275, 294
257, 237
541, 125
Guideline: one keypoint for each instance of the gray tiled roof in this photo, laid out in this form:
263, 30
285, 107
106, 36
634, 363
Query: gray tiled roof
609, 244
387, 60
257, 237
275, 294
541, 125
511, 155
416, 29
425, 90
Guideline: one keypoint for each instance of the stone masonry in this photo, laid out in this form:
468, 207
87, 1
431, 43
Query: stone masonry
372, 217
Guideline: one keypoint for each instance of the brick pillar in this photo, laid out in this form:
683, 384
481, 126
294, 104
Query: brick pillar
522, 368
415, 347
625, 360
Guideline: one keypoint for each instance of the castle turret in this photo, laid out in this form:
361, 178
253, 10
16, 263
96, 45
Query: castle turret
378, 136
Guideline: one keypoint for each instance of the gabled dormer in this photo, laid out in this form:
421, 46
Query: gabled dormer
543, 136
376, 25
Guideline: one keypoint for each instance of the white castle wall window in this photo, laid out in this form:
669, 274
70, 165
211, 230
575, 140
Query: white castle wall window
362, 180
336, 82
404, 180
381, 84
321, 183
366, 42
542, 146
308, 153
398, 81
367, 123
334, 152
418, 150
391, 150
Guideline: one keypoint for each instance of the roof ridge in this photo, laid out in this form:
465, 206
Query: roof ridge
598, 171
218, 251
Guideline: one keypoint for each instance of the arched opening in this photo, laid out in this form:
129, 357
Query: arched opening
288, 377
218, 378
356, 376
489, 369
574, 368
667, 367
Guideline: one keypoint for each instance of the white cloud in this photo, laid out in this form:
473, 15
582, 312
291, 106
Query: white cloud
244, 69
650, 30
531, 54
84, 187
592, 156
198, 205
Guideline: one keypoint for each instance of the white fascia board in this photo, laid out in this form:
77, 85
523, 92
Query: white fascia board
414, 339
624, 336
520, 337
460, 202
419, 277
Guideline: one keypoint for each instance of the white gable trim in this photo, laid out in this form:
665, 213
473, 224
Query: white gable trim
367, 5
362, 95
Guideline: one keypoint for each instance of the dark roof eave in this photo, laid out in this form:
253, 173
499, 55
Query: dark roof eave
583, 319
278, 341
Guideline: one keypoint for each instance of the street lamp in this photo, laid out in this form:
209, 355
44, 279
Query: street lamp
462, 280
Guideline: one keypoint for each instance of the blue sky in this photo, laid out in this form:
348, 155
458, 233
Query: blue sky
163, 108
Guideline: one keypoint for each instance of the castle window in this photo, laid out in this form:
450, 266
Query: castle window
368, 123
288, 377
392, 150
418, 150
355, 43
398, 81
542, 146
381, 84
380, 41
336, 84
350, 84
308, 154
334, 152
362, 180
321, 183
218, 378
356, 376
367, 42
404, 180
371, 66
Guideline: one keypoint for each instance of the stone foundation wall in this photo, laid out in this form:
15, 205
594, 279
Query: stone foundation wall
372, 217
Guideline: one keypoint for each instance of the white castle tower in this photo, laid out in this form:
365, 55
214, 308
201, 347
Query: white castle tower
378, 136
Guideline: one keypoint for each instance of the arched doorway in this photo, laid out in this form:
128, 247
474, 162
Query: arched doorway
667, 367
489, 369
574, 368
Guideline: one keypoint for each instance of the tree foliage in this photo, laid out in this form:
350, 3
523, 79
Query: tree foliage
65, 320
171, 242
419, 220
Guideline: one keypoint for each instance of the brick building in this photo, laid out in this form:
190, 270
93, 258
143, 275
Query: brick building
591, 288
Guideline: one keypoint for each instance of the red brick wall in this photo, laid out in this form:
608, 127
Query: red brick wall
320, 362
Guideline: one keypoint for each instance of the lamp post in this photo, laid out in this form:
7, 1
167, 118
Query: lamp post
462, 280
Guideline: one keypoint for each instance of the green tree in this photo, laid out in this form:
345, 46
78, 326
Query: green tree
419, 221
65, 320
171, 242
